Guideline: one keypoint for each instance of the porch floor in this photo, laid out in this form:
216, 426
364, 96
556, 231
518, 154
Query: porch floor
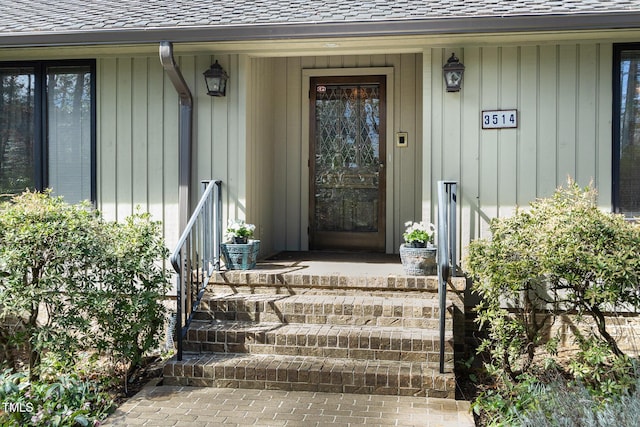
333, 263
343, 270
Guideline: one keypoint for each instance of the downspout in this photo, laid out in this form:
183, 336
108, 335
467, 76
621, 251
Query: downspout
185, 126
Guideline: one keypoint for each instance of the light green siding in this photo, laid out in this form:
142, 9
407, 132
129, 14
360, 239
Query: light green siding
563, 96
254, 138
278, 145
264, 200
137, 140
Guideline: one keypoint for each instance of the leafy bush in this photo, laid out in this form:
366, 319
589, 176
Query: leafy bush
127, 305
567, 405
550, 392
68, 401
503, 406
600, 371
561, 255
73, 281
47, 253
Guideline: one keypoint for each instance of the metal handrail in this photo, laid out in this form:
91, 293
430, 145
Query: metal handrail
197, 255
447, 196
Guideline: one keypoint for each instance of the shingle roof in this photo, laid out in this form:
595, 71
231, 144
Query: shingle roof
73, 15
29, 17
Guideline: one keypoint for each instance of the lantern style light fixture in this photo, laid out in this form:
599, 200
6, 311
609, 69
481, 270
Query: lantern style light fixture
216, 78
453, 71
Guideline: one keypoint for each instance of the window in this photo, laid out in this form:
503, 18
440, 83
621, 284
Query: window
626, 130
47, 128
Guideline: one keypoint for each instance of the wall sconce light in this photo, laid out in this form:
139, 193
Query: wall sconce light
453, 71
216, 78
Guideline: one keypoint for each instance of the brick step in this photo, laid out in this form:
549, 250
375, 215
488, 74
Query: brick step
339, 341
296, 279
321, 309
297, 282
275, 289
309, 374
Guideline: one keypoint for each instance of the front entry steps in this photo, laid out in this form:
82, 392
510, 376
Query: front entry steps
305, 373
332, 333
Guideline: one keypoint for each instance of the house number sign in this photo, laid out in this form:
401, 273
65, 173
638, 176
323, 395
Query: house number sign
499, 119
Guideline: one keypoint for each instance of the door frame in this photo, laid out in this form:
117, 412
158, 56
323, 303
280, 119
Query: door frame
307, 74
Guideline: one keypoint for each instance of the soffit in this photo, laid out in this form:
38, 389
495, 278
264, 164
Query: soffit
327, 46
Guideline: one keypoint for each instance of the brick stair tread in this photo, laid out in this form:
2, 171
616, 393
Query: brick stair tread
315, 298
310, 373
311, 329
367, 342
339, 282
382, 311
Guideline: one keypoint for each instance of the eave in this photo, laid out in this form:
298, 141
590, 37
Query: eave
293, 31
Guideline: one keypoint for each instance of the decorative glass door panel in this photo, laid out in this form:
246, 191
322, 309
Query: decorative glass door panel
347, 163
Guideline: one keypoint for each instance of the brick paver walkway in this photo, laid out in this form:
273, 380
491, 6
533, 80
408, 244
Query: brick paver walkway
206, 406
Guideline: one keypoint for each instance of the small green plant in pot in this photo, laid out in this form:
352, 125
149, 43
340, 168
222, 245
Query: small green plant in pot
239, 232
418, 234
418, 254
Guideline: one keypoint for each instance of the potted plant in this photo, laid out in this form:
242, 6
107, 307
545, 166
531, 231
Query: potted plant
240, 251
418, 254
239, 232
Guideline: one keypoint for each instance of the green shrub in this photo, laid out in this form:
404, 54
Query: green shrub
74, 281
600, 371
550, 393
561, 255
68, 401
569, 404
47, 254
127, 304
502, 406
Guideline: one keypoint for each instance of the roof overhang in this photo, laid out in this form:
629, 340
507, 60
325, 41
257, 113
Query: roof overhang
475, 25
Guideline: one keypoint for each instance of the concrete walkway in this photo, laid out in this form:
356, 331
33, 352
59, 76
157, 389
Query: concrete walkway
204, 406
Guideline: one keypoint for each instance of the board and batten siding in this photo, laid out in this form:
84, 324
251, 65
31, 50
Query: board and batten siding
564, 100
264, 201
278, 146
253, 138
137, 137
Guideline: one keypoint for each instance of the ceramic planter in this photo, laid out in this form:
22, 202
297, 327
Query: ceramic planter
419, 261
240, 256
